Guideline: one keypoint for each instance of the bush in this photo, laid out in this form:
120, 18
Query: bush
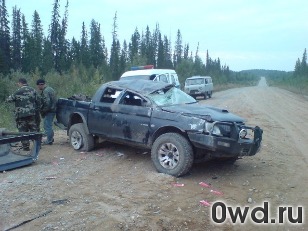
77, 81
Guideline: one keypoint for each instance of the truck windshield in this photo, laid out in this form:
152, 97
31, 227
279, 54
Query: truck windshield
194, 81
171, 96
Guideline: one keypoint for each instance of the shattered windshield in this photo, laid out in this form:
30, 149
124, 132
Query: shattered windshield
171, 96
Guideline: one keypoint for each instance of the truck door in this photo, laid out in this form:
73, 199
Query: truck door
101, 113
131, 121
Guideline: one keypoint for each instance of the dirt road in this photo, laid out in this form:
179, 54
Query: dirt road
117, 188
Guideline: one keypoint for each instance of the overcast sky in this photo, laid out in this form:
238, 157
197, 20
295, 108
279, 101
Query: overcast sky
244, 34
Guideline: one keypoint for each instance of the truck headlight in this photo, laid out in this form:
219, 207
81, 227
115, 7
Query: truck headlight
212, 128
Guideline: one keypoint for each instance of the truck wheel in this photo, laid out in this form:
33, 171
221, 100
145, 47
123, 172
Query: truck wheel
172, 154
79, 139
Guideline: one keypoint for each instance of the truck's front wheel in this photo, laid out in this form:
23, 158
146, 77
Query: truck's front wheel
79, 139
172, 154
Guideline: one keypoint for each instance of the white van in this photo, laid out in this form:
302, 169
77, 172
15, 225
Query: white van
199, 86
148, 72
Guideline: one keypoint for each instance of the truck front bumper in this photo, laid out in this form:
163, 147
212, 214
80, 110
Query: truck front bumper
225, 146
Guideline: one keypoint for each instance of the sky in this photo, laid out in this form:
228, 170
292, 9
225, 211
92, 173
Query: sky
243, 34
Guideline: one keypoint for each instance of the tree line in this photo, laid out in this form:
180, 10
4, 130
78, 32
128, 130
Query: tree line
301, 67
25, 48
296, 81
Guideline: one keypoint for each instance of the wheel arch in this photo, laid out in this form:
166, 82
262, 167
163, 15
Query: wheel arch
76, 118
168, 129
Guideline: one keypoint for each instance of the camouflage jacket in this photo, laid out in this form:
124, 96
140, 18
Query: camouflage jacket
26, 101
48, 100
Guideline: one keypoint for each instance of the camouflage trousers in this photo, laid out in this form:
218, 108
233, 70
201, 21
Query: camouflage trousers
26, 124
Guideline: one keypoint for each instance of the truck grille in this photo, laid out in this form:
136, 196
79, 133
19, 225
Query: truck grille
225, 129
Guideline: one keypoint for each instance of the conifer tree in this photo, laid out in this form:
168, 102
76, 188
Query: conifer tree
186, 51
160, 52
96, 45
178, 50
26, 46
74, 53
47, 61
155, 41
5, 51
58, 41
64, 61
303, 68
167, 53
16, 39
115, 51
54, 33
84, 48
134, 46
297, 68
37, 38
124, 57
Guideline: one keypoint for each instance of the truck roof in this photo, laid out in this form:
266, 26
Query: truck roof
198, 77
141, 86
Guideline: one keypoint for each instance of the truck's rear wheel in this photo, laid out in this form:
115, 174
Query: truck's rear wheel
172, 154
79, 139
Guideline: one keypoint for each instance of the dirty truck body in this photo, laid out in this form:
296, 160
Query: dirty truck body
157, 116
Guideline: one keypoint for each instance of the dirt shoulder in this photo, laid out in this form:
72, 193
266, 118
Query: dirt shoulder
116, 187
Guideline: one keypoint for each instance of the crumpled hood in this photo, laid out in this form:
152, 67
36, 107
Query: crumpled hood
202, 111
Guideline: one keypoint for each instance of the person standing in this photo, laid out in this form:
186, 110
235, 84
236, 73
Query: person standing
26, 101
47, 109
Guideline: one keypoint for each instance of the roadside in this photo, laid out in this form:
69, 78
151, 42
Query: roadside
116, 187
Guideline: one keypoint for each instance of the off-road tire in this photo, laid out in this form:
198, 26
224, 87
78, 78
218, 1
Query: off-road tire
176, 151
79, 139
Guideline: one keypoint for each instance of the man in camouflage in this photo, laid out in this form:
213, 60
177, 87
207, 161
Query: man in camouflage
26, 103
47, 109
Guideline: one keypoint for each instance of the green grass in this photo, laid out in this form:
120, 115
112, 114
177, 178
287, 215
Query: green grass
298, 85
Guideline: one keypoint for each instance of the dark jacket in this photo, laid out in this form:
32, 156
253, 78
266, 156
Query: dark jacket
26, 101
48, 100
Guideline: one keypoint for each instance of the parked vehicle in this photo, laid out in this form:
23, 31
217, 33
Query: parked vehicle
199, 86
160, 117
149, 73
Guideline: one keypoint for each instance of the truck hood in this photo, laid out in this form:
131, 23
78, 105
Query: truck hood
204, 111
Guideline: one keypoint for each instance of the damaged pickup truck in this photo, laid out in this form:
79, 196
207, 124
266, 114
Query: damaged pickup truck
160, 117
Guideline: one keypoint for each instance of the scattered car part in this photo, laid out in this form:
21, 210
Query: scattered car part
12, 154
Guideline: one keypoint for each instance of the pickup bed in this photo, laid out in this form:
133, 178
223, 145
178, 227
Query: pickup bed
160, 117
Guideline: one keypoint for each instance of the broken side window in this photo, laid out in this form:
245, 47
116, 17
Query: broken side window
110, 95
132, 99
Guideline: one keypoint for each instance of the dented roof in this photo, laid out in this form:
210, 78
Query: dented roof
141, 86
